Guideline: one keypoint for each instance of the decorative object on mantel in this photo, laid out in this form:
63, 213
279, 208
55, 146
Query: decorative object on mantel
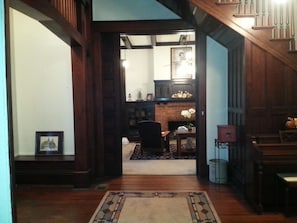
149, 96
182, 94
188, 114
291, 123
129, 97
139, 96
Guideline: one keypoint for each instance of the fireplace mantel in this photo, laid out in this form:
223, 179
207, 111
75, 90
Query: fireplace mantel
167, 89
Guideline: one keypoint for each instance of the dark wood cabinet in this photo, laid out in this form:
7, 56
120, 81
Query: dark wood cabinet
137, 111
30, 169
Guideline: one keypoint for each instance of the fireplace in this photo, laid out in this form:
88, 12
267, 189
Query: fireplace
169, 114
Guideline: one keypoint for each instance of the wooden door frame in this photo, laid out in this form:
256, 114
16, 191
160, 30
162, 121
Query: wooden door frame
200, 103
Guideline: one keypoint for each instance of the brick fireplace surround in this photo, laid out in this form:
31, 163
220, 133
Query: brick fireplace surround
168, 112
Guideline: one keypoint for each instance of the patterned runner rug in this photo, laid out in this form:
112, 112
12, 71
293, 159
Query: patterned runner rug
155, 207
185, 154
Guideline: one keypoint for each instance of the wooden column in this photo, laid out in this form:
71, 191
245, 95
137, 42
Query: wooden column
201, 103
82, 172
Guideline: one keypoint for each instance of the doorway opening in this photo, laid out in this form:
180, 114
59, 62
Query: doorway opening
150, 87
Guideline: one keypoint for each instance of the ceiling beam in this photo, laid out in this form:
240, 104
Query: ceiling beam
153, 40
126, 41
143, 27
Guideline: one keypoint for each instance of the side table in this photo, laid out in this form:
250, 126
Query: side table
180, 136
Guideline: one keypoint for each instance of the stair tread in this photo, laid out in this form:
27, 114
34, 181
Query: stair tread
281, 39
262, 27
245, 15
227, 3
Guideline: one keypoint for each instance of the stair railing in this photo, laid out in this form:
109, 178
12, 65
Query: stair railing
270, 14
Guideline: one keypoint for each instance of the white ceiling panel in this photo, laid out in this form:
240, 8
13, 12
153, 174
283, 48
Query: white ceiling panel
140, 40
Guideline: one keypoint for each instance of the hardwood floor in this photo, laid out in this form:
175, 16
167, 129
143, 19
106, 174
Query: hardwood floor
61, 204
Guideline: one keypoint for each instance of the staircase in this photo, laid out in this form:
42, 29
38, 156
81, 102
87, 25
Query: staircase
275, 15
268, 24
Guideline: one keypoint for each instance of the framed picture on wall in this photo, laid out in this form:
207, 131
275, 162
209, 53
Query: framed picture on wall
181, 62
149, 97
49, 143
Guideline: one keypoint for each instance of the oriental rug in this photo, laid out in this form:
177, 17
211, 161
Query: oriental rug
155, 207
166, 155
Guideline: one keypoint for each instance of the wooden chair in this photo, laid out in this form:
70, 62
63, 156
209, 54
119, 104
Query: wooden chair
152, 138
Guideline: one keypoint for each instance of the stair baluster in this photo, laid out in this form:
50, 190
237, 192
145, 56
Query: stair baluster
268, 14
293, 41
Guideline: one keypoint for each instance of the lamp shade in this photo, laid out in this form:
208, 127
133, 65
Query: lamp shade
226, 133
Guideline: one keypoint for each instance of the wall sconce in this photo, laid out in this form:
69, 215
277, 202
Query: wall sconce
125, 63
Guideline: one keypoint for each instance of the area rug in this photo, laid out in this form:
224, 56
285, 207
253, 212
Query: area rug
155, 207
185, 154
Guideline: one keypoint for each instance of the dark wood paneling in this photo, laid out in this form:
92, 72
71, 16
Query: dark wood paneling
81, 117
44, 169
270, 99
236, 102
270, 95
98, 154
111, 95
200, 100
146, 27
50, 17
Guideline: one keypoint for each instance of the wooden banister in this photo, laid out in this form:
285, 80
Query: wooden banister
279, 17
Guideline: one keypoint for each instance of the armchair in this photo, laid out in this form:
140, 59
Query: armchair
152, 138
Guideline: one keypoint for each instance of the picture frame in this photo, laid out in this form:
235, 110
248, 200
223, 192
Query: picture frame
181, 63
149, 96
49, 143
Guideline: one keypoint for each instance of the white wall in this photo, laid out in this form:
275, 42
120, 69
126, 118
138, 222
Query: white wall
139, 72
41, 84
217, 98
145, 66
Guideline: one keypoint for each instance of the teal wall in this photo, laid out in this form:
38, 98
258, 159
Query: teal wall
115, 10
217, 95
5, 194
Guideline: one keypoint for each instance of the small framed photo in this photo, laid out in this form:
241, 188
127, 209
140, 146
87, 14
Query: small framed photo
149, 97
49, 143
181, 63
